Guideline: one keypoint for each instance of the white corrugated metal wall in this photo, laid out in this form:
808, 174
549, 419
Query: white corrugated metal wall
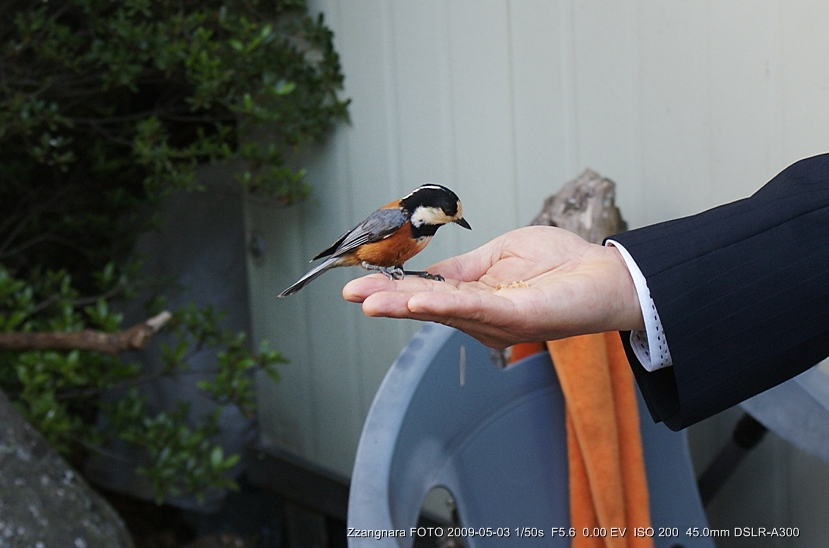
685, 104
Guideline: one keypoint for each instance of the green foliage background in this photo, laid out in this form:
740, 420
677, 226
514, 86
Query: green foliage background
106, 107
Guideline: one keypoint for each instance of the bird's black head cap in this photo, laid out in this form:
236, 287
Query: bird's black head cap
431, 195
430, 206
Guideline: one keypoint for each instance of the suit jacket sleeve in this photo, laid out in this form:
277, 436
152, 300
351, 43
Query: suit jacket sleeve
742, 291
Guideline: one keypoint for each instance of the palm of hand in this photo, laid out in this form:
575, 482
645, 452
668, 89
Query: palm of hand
531, 284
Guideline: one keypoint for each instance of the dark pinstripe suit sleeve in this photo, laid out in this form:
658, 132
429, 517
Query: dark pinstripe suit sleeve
742, 291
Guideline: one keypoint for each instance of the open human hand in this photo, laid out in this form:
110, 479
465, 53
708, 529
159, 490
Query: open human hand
530, 284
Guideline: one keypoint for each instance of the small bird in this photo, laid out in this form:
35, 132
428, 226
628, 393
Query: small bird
391, 235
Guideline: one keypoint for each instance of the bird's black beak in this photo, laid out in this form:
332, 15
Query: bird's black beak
463, 223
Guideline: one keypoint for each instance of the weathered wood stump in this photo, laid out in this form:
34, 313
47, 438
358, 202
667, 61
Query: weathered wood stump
587, 206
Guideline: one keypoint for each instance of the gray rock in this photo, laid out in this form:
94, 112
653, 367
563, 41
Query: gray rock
44, 503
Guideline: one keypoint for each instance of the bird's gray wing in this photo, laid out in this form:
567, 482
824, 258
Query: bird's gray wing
379, 225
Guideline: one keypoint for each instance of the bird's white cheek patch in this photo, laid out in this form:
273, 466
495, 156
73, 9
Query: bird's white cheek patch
430, 216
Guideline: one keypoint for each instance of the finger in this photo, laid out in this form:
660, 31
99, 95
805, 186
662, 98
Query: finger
492, 320
396, 305
359, 289
468, 302
391, 304
418, 298
497, 320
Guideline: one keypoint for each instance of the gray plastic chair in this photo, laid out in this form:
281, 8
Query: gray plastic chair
445, 415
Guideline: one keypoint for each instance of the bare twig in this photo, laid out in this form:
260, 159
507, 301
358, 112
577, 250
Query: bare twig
134, 338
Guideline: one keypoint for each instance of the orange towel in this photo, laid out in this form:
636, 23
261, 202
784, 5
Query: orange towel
522, 350
608, 487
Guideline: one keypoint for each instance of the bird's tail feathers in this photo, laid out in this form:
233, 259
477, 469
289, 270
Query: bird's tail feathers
311, 275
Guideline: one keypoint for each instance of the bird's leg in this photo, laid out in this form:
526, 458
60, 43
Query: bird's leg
397, 272
393, 272
424, 274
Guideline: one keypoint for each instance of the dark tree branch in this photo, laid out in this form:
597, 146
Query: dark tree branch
134, 338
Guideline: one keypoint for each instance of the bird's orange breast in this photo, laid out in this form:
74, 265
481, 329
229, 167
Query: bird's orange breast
392, 251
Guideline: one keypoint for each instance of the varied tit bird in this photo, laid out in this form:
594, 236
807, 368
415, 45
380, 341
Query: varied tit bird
391, 235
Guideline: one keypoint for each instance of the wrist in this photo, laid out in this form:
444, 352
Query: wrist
628, 310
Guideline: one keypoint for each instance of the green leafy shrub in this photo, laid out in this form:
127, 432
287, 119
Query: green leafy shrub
107, 107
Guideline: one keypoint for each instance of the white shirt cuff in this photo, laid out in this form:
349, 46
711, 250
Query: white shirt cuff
649, 346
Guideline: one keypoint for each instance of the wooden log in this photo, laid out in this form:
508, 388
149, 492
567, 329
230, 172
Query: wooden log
134, 338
